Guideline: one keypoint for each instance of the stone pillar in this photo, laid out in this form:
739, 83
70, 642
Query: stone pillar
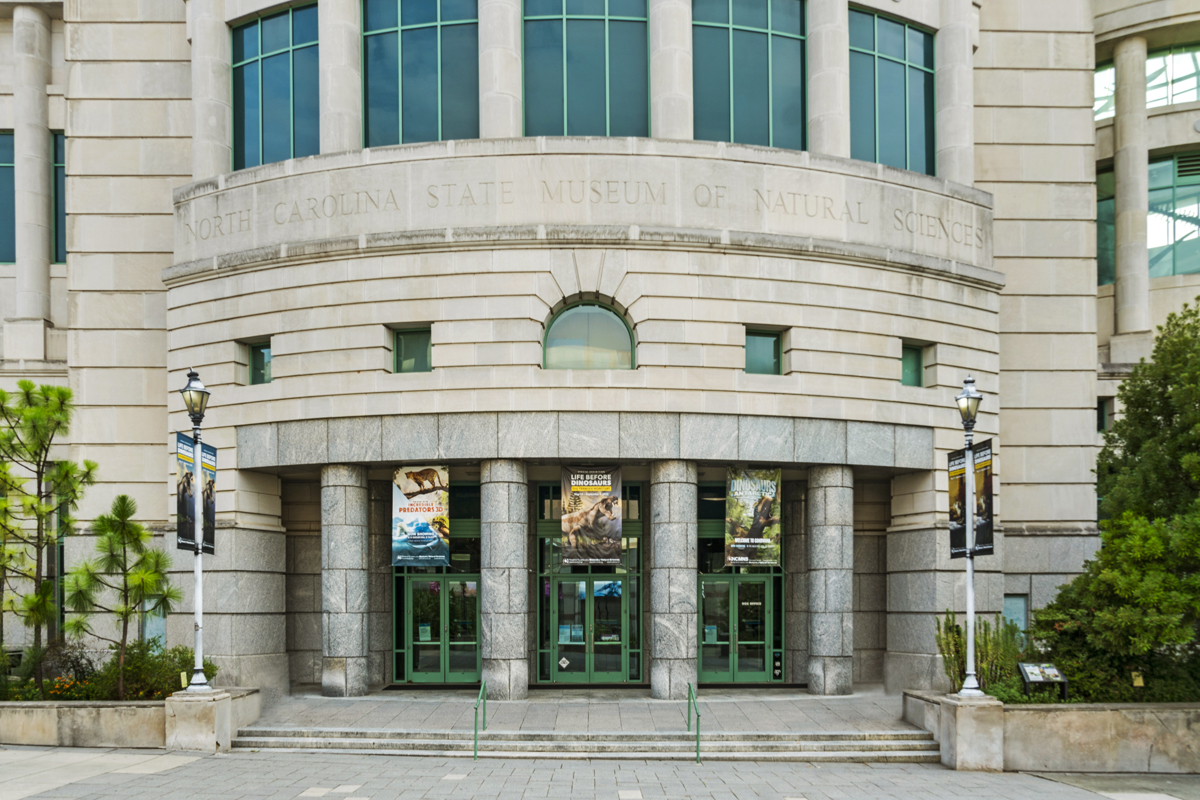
829, 77
500, 75
340, 32
1132, 334
379, 584
955, 92
673, 639
795, 585
212, 87
830, 579
344, 570
671, 69
504, 593
25, 332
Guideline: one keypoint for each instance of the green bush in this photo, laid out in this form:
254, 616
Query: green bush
997, 650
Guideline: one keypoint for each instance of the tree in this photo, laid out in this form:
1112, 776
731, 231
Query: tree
34, 486
128, 575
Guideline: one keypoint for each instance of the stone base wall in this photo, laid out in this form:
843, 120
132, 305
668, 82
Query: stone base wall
302, 518
872, 514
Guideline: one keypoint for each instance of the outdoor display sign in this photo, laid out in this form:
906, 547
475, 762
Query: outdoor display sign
421, 517
591, 517
984, 543
1042, 675
185, 494
752, 507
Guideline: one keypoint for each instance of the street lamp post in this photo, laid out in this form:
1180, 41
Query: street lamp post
195, 397
968, 406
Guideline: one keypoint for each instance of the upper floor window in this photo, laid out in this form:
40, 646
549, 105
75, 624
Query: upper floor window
1105, 83
1173, 76
1106, 228
586, 68
59, 191
414, 351
8, 202
420, 71
762, 353
588, 336
912, 365
276, 88
260, 363
891, 93
1173, 225
748, 71
8, 206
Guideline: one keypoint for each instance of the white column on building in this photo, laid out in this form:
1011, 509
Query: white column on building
504, 578
25, 333
500, 76
830, 580
671, 69
829, 77
212, 88
955, 92
1131, 165
340, 32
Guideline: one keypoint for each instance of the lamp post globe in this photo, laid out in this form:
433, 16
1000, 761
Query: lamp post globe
968, 408
195, 398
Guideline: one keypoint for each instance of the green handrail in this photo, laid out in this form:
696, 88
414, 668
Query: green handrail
692, 702
483, 699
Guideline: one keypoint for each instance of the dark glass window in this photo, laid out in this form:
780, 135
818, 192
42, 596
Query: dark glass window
1106, 229
260, 363
586, 68
421, 71
8, 203
912, 365
762, 353
59, 191
276, 98
588, 336
414, 351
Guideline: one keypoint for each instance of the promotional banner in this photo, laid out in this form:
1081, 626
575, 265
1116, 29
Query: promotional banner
591, 516
421, 517
185, 494
984, 543
752, 505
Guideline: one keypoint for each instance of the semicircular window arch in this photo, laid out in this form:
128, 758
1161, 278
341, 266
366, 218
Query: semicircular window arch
588, 336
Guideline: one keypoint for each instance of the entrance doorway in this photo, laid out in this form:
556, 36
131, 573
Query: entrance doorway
443, 628
588, 617
736, 620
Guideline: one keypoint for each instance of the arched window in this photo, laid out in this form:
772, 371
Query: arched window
588, 336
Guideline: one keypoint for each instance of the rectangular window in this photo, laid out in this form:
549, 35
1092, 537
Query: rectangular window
1172, 76
1106, 229
891, 93
1105, 83
762, 353
420, 71
260, 363
1016, 610
748, 72
912, 365
276, 98
586, 68
59, 190
414, 351
8, 204
1104, 414
1173, 224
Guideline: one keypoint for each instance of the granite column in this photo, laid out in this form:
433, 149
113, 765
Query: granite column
504, 589
830, 511
673, 637
344, 580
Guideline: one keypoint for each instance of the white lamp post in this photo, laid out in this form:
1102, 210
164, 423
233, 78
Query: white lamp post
968, 406
195, 397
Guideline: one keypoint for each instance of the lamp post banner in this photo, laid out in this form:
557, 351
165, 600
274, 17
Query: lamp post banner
984, 541
591, 516
421, 517
185, 494
752, 508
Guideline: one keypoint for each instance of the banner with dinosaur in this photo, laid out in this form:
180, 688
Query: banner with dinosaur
421, 517
591, 516
752, 506
185, 495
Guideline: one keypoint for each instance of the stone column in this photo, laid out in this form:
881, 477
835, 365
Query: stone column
673, 640
1132, 337
829, 77
795, 604
830, 579
344, 571
25, 332
955, 92
504, 593
212, 87
671, 69
500, 76
340, 32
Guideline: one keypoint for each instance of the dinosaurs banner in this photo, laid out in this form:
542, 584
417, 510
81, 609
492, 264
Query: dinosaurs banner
421, 517
185, 494
591, 516
752, 506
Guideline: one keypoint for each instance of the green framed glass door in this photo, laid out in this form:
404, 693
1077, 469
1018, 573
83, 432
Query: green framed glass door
752, 607
736, 621
442, 629
716, 639
588, 616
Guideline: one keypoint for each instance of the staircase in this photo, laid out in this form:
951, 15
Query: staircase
906, 746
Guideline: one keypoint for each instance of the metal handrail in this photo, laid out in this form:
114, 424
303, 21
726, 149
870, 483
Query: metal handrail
482, 698
692, 702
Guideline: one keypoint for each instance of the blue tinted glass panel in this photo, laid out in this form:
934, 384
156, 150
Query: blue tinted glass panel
862, 30
417, 12
60, 215
543, 78
587, 8
629, 113
306, 102
380, 14
382, 89
586, 101
787, 92
751, 123
787, 16
245, 42
912, 366
543, 8
709, 11
419, 91
627, 8
891, 38
920, 48
892, 145
6, 148
1016, 609
460, 82
245, 117
710, 75
413, 351
458, 9
1162, 173
276, 33
1187, 230
277, 108
1160, 232
750, 13
862, 106
8, 212
920, 121
60, 150
304, 25
1106, 242
762, 353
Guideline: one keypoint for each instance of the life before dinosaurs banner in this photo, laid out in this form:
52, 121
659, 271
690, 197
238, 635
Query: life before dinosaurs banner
984, 542
421, 517
591, 516
185, 494
752, 506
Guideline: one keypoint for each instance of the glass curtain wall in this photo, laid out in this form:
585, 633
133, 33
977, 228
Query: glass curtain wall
1173, 224
1105, 104
420, 71
891, 93
1173, 76
586, 68
276, 88
748, 71
8, 204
